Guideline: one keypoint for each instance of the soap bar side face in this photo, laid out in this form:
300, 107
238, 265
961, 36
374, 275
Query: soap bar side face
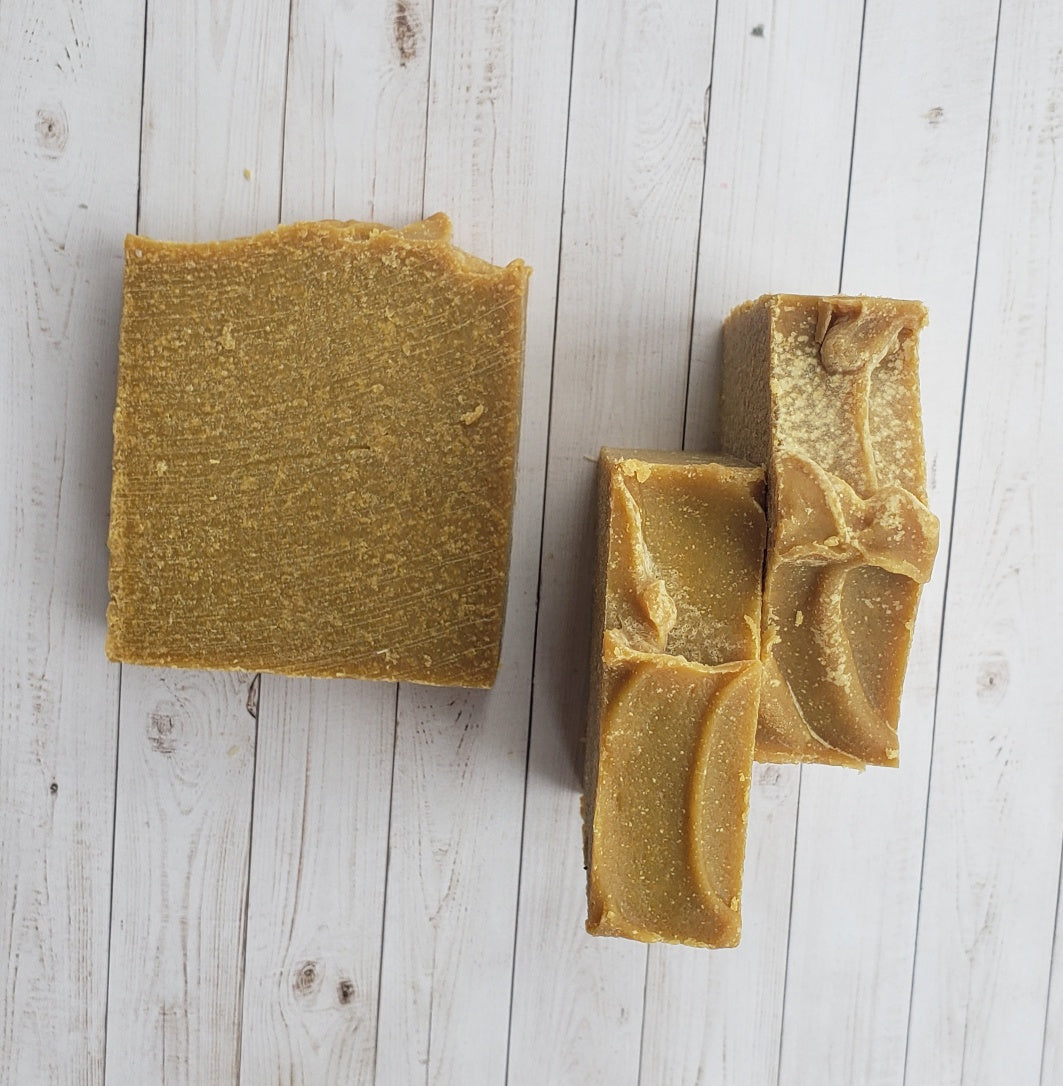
675, 684
314, 462
745, 417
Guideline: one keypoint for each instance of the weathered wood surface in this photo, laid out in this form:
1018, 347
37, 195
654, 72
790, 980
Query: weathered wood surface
230, 878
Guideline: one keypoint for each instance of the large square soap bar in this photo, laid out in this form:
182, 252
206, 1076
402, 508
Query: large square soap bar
825, 392
674, 693
314, 450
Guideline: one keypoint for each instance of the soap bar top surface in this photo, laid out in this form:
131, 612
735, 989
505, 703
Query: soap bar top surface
832, 379
685, 534
315, 443
825, 392
674, 692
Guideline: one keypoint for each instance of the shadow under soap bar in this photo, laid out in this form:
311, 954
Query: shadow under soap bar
674, 691
825, 392
314, 449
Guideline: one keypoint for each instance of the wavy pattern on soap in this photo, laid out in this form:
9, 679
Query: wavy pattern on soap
822, 520
718, 779
855, 335
647, 589
820, 515
699, 795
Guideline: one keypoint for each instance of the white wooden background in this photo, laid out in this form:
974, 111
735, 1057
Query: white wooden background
210, 878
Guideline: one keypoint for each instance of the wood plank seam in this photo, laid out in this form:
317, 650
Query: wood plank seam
1051, 958
800, 770
686, 398
387, 867
118, 707
256, 682
542, 531
253, 695
949, 548
697, 243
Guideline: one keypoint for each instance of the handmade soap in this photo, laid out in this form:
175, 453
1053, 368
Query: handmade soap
675, 684
314, 448
825, 392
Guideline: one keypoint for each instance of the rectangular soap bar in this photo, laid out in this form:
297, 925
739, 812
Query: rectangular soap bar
315, 440
674, 692
825, 392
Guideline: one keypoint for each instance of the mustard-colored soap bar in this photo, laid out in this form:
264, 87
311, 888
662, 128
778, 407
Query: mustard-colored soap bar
825, 391
314, 450
675, 689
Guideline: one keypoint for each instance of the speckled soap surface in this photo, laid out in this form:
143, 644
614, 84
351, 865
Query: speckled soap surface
825, 392
675, 686
314, 460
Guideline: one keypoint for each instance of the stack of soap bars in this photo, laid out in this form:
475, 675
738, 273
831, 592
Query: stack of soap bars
757, 605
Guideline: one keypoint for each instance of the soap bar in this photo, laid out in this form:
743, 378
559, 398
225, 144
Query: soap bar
825, 392
675, 686
315, 441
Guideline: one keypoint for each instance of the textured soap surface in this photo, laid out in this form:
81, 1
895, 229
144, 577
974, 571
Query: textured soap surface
674, 694
315, 443
825, 392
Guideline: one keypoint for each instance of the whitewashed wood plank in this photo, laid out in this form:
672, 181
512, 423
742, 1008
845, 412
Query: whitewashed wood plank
777, 170
213, 100
214, 85
495, 162
185, 762
319, 841
923, 115
356, 110
991, 865
1052, 1055
357, 75
69, 81
631, 211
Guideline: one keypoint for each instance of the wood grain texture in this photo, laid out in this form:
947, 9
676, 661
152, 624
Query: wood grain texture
494, 162
214, 86
923, 113
69, 129
356, 75
185, 762
316, 891
777, 172
632, 203
1052, 1054
356, 110
187, 739
991, 864
454, 950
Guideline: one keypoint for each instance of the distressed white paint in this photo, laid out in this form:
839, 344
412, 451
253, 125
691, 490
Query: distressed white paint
68, 128
495, 161
185, 760
991, 865
632, 204
187, 739
316, 892
454, 951
924, 108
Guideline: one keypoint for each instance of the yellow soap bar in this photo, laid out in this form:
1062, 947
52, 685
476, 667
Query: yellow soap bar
825, 392
674, 694
315, 440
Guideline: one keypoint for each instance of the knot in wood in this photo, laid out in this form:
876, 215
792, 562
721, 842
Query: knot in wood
161, 733
52, 130
307, 979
